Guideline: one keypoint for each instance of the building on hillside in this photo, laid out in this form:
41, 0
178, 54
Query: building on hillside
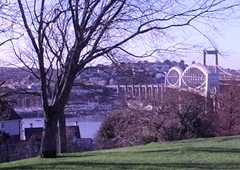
84, 100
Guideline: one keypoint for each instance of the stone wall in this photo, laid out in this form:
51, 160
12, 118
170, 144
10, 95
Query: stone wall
28, 149
22, 150
81, 144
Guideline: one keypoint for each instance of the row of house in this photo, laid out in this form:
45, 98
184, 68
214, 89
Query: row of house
24, 128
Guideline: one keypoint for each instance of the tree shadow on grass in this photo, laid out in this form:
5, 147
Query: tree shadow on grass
191, 149
156, 151
229, 138
76, 156
192, 141
117, 166
214, 150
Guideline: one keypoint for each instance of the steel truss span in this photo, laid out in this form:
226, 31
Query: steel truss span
193, 78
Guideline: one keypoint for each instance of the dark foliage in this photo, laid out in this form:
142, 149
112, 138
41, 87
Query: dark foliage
129, 127
185, 117
3, 137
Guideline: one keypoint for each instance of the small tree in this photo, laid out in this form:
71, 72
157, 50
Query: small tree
192, 116
228, 109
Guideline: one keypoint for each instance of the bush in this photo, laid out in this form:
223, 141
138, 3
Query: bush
167, 122
129, 127
188, 123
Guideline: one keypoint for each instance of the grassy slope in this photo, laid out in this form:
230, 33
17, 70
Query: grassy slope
214, 153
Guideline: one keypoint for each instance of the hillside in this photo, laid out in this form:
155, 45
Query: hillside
212, 153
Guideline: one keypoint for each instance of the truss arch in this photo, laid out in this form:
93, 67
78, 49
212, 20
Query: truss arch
195, 78
173, 78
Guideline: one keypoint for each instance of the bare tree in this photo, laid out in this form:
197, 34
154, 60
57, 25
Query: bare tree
7, 23
228, 109
66, 35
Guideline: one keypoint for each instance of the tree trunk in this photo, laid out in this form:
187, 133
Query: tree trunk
49, 138
62, 132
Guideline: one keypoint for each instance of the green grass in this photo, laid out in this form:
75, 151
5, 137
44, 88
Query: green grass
213, 153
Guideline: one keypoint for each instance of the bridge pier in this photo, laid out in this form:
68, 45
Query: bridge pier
154, 92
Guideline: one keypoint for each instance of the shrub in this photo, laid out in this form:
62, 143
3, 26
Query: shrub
128, 127
180, 119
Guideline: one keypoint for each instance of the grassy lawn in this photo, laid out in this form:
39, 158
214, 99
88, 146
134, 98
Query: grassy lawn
213, 153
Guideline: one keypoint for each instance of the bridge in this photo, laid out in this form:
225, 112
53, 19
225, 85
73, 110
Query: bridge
201, 79
197, 78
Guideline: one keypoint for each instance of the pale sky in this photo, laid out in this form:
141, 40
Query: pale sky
226, 39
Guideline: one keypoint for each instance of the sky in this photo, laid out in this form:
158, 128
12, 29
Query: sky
225, 37
227, 41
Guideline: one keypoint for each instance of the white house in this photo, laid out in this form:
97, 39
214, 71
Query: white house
87, 129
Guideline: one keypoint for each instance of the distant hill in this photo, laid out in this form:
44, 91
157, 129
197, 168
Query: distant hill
11, 73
